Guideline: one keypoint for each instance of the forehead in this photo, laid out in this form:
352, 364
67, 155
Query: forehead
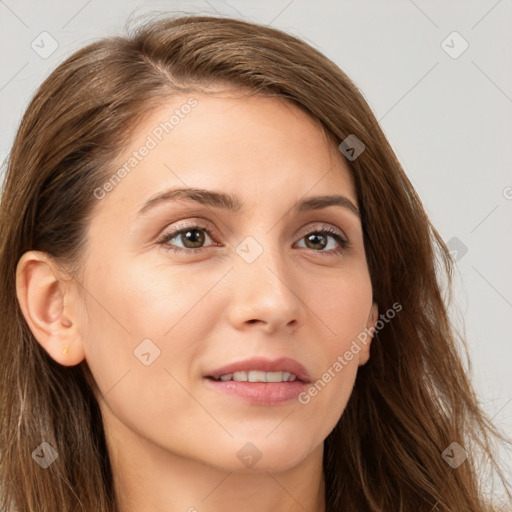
252, 146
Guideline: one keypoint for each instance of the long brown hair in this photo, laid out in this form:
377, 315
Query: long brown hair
410, 401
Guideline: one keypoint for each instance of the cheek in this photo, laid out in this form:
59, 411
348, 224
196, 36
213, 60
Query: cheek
157, 299
135, 302
141, 340
143, 321
343, 304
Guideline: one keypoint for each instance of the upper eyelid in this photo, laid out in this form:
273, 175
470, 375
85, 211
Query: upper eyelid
176, 230
208, 226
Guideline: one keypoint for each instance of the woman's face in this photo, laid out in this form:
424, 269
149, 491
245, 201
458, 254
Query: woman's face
254, 275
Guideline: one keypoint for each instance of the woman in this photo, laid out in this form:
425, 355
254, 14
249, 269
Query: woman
219, 291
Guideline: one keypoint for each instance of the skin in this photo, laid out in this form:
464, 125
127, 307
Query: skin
173, 441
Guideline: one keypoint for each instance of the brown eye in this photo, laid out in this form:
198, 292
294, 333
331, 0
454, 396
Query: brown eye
319, 240
316, 241
194, 237
191, 238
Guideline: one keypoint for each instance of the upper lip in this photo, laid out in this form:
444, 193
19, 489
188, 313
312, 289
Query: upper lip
282, 364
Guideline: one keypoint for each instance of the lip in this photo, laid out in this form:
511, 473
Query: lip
284, 364
261, 393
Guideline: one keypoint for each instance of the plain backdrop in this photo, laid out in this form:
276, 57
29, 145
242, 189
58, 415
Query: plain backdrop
437, 74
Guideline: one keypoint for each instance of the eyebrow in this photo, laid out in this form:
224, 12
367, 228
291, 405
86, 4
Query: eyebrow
226, 201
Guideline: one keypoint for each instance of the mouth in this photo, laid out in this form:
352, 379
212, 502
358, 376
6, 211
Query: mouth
257, 376
261, 381
261, 369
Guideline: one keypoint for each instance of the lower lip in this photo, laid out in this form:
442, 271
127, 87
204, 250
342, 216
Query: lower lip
260, 393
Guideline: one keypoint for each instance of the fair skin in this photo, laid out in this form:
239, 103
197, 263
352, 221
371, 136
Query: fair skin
173, 440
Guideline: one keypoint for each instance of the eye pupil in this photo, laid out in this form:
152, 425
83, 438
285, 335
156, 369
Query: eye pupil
313, 237
195, 236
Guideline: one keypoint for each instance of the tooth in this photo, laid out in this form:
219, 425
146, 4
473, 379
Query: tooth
274, 376
257, 376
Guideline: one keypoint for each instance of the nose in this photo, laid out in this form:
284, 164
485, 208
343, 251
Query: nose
266, 294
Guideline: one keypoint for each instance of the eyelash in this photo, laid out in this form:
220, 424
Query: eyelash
166, 237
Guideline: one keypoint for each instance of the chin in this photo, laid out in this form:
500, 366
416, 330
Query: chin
275, 454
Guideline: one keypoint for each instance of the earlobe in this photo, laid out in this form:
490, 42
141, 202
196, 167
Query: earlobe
373, 316
45, 302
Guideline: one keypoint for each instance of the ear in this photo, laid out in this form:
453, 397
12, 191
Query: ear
364, 355
46, 301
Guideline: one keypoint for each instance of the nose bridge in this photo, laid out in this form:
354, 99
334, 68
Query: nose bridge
263, 259
264, 282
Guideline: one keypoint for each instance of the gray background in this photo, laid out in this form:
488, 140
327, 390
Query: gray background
447, 118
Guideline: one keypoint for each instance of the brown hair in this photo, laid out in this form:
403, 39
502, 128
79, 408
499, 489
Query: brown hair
410, 401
